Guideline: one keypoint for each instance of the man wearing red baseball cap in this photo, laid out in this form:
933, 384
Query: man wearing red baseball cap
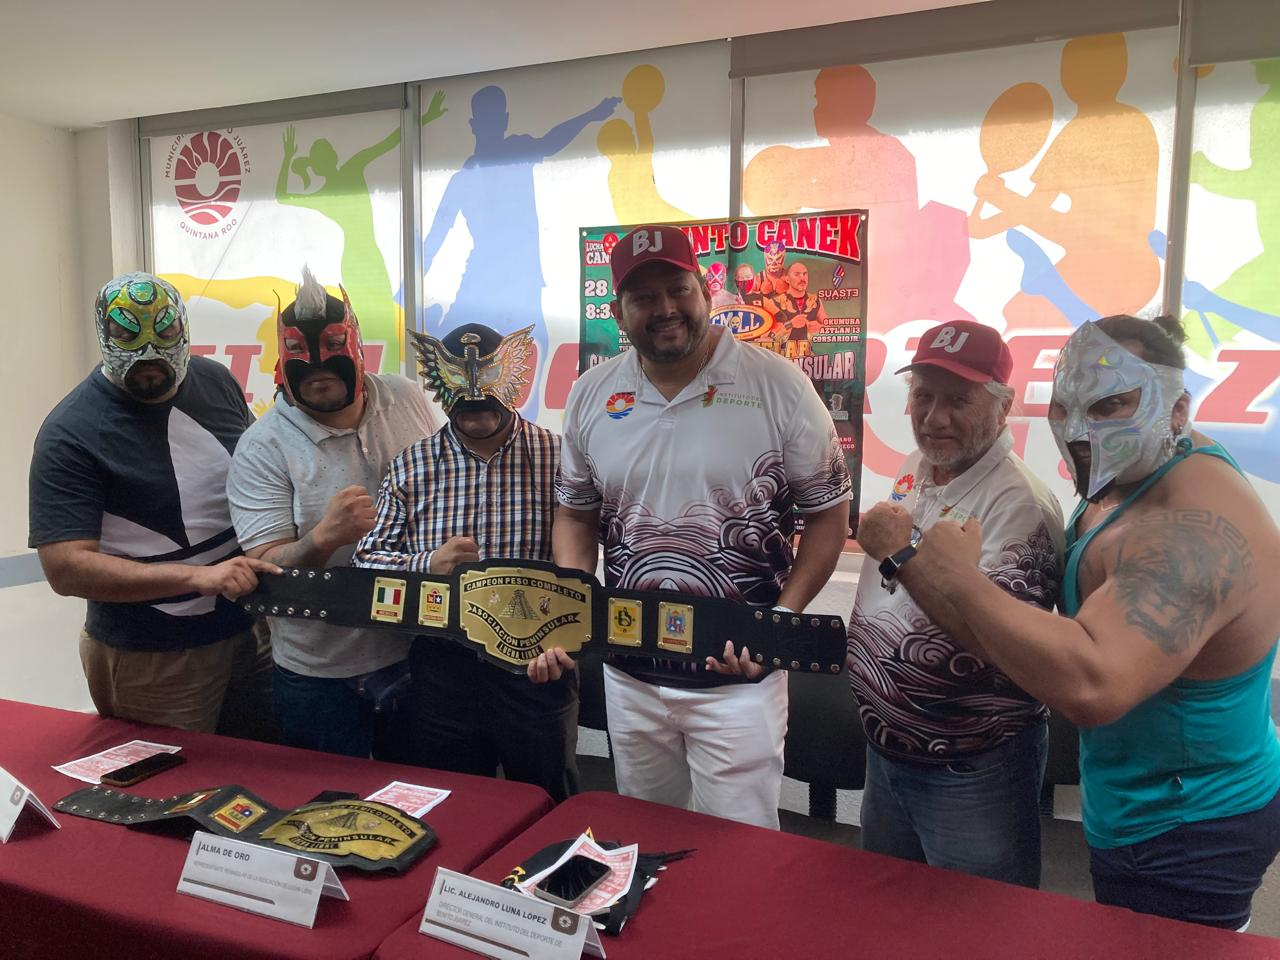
957, 751
687, 457
970, 350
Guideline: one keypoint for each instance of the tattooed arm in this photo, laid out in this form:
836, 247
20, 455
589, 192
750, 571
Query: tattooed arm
348, 516
1168, 582
260, 495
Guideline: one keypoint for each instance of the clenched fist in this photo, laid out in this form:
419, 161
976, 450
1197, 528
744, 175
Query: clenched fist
884, 530
347, 518
455, 550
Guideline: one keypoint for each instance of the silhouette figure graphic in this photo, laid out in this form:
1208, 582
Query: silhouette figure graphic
343, 196
494, 192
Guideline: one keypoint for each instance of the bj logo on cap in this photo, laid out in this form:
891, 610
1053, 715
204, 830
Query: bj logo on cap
640, 242
945, 337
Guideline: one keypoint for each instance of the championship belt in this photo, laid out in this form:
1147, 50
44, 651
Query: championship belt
346, 833
510, 611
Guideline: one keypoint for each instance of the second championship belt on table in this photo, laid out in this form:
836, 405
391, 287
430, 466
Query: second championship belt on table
510, 611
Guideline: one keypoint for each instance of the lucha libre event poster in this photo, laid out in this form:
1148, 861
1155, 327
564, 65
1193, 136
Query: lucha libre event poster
794, 285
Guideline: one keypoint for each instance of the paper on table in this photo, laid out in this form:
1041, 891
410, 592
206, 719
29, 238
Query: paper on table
622, 866
413, 799
91, 769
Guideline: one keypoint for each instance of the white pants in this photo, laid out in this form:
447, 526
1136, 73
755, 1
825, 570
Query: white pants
716, 750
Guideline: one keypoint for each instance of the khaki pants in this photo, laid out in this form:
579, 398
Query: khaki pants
223, 687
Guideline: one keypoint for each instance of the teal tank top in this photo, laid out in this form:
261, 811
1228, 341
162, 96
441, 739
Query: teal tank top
1196, 750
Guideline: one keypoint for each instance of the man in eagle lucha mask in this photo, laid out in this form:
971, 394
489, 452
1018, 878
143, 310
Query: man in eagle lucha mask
1164, 658
483, 486
300, 489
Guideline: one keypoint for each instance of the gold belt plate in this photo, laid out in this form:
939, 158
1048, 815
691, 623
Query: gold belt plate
368, 829
516, 613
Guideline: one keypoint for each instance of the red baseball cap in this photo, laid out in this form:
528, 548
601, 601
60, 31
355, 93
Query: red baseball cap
968, 349
643, 244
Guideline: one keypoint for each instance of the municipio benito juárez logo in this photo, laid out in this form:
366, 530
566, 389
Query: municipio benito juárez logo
207, 170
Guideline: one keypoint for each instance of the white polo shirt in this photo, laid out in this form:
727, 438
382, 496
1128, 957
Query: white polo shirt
286, 468
921, 696
698, 494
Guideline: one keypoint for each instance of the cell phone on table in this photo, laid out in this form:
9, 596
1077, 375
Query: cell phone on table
569, 883
141, 769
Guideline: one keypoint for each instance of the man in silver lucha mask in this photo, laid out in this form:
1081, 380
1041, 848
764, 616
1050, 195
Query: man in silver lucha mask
1164, 658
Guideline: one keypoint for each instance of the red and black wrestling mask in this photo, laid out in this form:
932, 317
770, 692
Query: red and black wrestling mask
321, 354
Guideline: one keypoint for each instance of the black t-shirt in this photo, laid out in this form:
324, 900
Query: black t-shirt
148, 482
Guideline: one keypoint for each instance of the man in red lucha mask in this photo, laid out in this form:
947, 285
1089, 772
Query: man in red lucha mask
301, 491
321, 354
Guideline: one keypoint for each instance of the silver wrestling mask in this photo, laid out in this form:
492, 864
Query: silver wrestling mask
1092, 367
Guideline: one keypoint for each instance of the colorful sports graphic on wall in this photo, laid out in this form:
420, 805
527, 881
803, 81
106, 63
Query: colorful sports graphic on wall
796, 286
236, 213
1026, 188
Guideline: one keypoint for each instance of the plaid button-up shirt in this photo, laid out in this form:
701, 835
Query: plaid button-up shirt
437, 489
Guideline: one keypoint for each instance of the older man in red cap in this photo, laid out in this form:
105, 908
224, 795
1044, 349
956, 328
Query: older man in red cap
687, 457
957, 751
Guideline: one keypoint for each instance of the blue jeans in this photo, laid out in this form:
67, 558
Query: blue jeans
979, 815
322, 713
1204, 872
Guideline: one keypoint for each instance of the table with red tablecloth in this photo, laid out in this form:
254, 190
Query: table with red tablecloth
102, 890
754, 894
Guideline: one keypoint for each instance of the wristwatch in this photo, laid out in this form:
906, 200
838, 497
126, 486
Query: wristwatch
892, 564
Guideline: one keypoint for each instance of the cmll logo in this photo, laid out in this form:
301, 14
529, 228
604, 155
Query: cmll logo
207, 170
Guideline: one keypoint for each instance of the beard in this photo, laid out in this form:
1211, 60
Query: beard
968, 453
1081, 468
330, 406
300, 374
144, 387
698, 333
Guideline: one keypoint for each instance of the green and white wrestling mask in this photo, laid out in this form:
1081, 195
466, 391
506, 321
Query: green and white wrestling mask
142, 330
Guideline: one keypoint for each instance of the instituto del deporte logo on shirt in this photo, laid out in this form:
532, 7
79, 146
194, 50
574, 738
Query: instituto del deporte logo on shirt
619, 405
715, 397
207, 171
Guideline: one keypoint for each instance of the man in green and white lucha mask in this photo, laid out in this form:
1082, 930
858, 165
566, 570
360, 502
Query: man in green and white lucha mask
128, 510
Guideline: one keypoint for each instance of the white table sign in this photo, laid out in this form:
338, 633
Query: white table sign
14, 798
504, 924
273, 883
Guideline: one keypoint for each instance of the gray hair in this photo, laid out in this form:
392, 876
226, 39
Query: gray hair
1001, 391
311, 300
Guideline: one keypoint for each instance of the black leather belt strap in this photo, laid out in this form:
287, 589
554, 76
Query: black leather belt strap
512, 610
348, 833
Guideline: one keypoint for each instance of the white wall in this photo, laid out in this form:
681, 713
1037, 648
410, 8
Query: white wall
54, 190
108, 204
45, 352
